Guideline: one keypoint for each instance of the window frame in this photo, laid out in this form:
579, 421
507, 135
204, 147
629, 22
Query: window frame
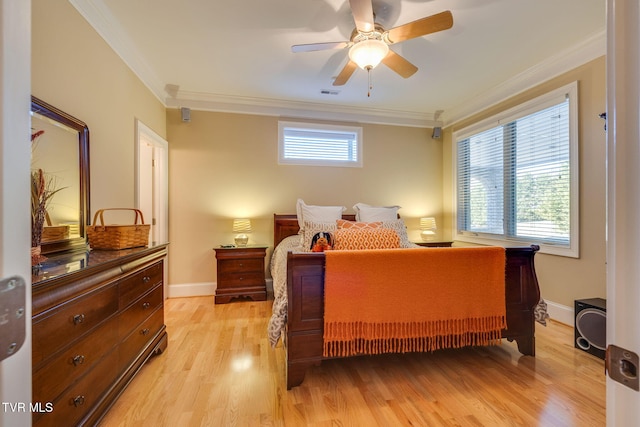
284, 125
529, 107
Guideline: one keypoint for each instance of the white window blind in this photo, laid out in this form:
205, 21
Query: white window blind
518, 180
320, 145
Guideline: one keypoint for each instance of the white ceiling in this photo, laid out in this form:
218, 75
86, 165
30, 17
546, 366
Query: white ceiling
236, 55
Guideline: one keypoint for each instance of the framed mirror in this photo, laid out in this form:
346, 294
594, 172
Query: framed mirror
61, 150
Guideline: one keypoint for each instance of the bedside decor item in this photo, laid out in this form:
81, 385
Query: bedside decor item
116, 237
241, 226
428, 227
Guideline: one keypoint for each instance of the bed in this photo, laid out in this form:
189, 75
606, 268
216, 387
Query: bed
298, 316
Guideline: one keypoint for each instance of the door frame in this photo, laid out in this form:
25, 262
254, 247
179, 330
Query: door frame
15, 159
623, 198
160, 185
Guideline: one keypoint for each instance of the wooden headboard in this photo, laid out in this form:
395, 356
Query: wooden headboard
285, 225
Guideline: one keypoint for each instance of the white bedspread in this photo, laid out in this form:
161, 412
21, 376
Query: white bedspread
279, 274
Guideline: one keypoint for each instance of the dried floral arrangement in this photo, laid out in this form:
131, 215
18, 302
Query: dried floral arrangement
43, 188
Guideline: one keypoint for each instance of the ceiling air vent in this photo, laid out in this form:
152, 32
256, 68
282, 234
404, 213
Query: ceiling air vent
329, 92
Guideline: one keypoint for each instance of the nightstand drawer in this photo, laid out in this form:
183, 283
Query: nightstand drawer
241, 279
240, 265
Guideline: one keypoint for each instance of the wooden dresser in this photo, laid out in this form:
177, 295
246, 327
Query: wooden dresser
97, 317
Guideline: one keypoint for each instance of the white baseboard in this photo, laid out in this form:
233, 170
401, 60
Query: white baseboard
201, 289
192, 290
561, 313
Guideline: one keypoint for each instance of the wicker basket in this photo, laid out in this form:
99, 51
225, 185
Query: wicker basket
116, 237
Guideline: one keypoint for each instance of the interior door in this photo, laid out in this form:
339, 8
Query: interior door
623, 207
15, 229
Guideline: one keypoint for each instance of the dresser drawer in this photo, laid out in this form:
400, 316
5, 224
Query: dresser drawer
51, 379
73, 404
137, 341
139, 310
132, 287
240, 265
70, 321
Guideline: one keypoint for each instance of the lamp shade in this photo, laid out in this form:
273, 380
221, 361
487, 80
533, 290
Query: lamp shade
368, 53
428, 227
427, 223
242, 225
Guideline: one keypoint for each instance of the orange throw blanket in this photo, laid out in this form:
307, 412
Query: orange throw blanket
410, 300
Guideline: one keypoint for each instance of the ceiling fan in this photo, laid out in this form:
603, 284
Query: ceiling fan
369, 43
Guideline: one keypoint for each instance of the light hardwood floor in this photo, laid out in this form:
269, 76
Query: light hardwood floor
219, 370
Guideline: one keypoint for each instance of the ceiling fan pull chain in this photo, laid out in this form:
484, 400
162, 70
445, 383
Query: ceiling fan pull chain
369, 81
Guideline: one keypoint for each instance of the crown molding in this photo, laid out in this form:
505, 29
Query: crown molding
299, 109
590, 49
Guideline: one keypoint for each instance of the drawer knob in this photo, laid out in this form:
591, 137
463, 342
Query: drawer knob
146, 279
78, 360
145, 331
78, 401
146, 305
78, 318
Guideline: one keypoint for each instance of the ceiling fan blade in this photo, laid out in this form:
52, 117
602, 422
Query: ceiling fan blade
398, 64
362, 11
345, 74
311, 47
430, 24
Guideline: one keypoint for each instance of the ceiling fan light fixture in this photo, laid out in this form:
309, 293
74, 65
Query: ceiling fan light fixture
367, 54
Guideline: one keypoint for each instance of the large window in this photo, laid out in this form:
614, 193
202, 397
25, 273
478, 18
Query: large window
319, 145
517, 176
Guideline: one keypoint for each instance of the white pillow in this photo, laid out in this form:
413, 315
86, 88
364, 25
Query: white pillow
311, 213
366, 213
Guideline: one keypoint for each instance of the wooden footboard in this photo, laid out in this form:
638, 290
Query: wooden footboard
305, 289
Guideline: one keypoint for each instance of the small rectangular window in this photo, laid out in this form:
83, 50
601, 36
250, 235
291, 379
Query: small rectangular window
319, 145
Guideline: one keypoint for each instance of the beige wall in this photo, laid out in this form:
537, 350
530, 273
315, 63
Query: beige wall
562, 279
226, 165
76, 71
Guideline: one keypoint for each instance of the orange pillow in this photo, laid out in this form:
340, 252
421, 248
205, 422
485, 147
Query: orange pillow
343, 223
365, 238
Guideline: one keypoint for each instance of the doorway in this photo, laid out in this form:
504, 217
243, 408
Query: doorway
152, 183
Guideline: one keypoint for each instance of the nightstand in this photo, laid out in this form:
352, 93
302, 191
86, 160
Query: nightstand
434, 244
241, 273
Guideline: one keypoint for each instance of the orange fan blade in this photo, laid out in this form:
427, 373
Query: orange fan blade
398, 64
430, 24
345, 74
318, 46
362, 11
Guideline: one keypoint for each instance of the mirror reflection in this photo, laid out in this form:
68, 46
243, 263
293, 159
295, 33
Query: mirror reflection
55, 151
60, 148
